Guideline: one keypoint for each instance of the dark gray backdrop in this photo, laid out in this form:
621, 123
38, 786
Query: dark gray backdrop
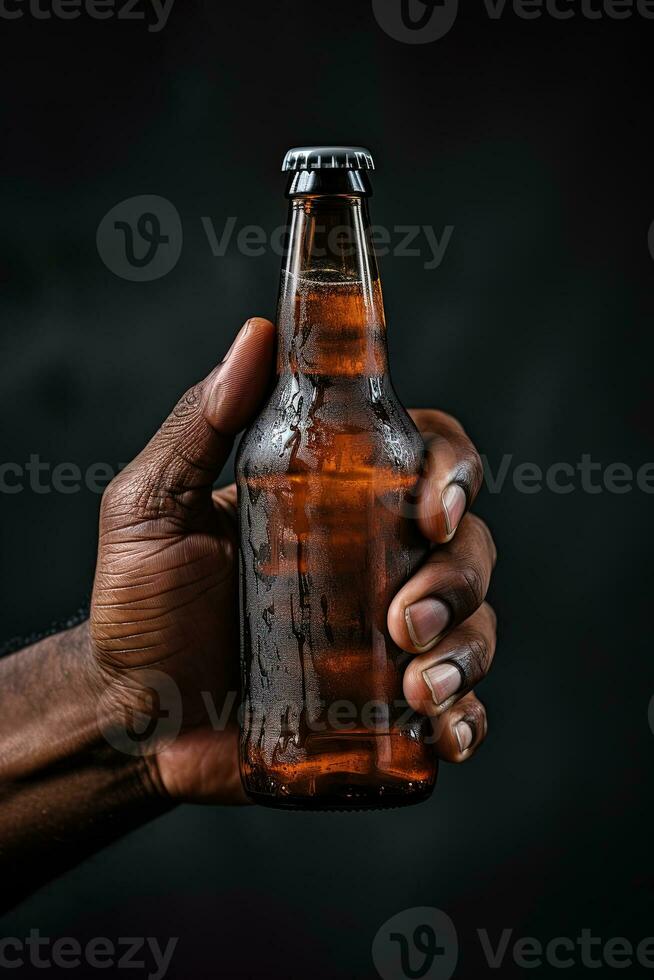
531, 139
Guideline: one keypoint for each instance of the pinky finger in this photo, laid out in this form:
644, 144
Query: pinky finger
459, 732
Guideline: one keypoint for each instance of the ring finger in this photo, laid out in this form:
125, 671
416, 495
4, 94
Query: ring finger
436, 680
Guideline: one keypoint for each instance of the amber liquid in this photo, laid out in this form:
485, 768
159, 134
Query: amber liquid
324, 477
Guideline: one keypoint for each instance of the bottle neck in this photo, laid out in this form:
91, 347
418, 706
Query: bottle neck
331, 313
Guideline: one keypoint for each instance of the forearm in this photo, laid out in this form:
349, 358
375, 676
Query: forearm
64, 791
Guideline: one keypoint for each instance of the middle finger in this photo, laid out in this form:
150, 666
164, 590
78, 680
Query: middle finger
449, 586
434, 681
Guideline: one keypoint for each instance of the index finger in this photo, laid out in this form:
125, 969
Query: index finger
452, 474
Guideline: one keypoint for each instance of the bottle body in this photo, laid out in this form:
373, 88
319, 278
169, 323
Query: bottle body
324, 478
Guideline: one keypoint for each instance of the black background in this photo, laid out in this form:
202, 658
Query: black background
532, 139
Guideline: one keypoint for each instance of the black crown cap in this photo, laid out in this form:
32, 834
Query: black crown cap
327, 158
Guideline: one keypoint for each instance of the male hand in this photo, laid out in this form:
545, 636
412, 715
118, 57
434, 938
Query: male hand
165, 600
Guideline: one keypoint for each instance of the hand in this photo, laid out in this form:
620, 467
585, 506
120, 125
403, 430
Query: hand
440, 614
165, 593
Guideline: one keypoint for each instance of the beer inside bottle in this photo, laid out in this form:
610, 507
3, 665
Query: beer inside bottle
325, 477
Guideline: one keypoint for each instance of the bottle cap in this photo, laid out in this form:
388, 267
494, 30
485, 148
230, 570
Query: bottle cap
327, 158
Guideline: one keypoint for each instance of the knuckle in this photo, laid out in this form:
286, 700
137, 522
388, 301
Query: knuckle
435, 420
468, 588
181, 436
180, 433
475, 715
151, 495
155, 484
474, 660
445, 418
470, 471
444, 433
474, 709
475, 527
492, 616
158, 490
478, 468
142, 493
489, 540
187, 405
482, 537
480, 529
479, 654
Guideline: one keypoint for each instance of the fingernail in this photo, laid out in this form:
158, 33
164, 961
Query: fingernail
454, 504
443, 680
464, 735
426, 620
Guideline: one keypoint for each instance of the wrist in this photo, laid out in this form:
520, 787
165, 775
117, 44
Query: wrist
122, 711
64, 789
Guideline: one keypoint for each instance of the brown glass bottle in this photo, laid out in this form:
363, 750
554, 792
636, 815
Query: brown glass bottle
325, 476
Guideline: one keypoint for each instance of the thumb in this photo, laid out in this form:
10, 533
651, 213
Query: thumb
179, 465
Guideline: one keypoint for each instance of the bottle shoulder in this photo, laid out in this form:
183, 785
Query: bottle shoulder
316, 424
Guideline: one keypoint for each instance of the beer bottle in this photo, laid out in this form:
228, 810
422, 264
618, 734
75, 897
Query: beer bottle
325, 476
